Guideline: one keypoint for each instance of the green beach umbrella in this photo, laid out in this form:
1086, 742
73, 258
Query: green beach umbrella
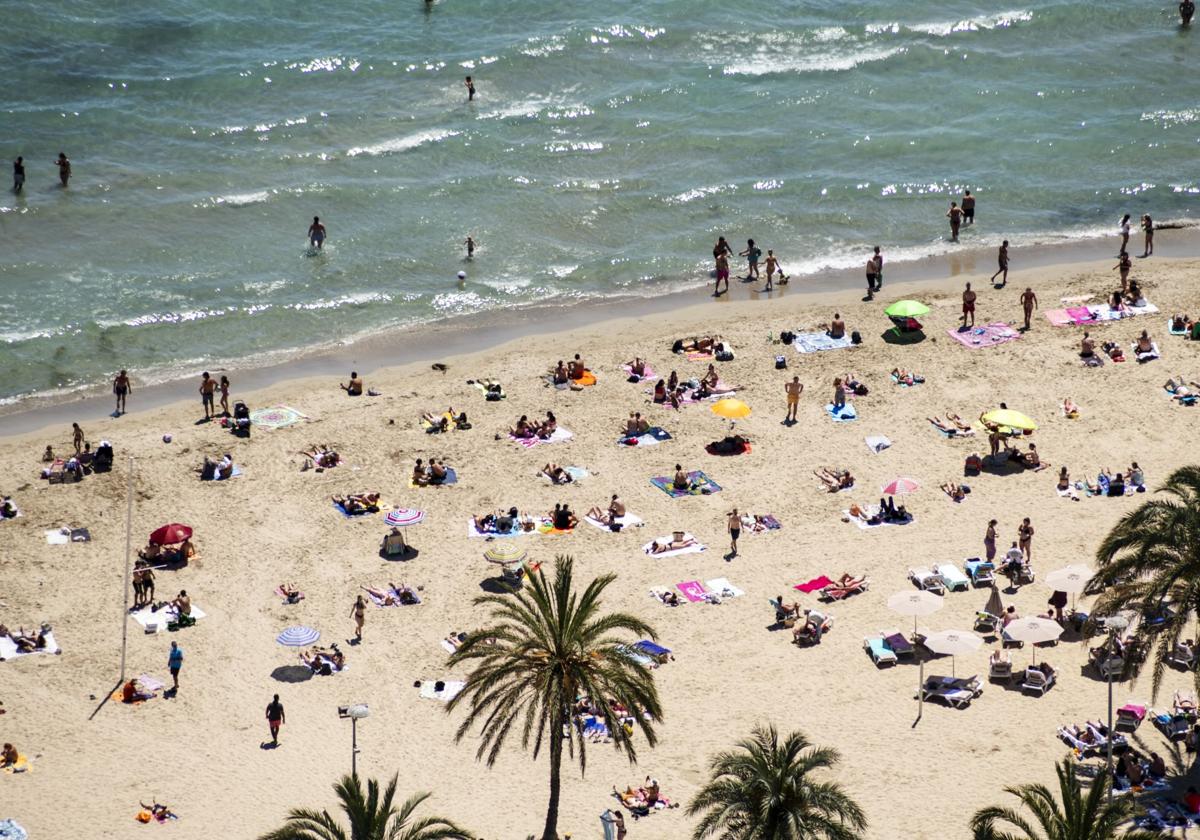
906, 309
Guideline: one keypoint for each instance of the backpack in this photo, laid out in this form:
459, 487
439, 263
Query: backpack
787, 336
855, 338
780, 363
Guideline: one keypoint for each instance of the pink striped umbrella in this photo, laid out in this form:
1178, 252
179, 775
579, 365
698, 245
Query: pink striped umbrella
403, 517
899, 486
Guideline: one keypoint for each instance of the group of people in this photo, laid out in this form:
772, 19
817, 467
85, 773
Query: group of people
673, 390
356, 503
527, 428
722, 251
572, 371
435, 472
64, 172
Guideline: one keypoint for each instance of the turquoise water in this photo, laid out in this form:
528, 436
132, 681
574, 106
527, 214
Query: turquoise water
608, 145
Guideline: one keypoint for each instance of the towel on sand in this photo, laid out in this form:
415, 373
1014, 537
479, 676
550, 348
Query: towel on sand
814, 585
724, 588
866, 526
626, 521
451, 478
450, 690
699, 484
819, 341
841, 415
691, 549
877, 443
558, 436
147, 616
237, 472
8, 648
987, 335
576, 474
653, 436
693, 590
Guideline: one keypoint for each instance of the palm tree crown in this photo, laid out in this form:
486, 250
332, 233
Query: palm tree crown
371, 817
1083, 815
547, 647
1152, 558
765, 790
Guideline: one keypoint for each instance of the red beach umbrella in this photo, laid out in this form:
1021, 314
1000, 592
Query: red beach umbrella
171, 534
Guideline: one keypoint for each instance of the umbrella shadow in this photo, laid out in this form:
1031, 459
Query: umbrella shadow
495, 586
409, 553
891, 336
292, 673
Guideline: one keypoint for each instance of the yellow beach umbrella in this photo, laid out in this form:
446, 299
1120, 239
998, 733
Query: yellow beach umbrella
1011, 419
731, 409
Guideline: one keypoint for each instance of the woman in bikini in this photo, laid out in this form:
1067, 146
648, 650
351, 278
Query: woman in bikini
359, 613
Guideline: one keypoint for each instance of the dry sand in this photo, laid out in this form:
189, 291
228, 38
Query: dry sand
200, 752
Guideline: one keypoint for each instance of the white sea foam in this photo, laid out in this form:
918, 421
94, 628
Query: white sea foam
403, 144
768, 61
998, 20
240, 199
699, 192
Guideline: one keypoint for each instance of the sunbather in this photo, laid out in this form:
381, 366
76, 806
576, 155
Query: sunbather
456, 639
1069, 408
1087, 346
1113, 350
1144, 344
945, 427
556, 474
681, 480
615, 510
954, 490
657, 547
835, 480
904, 377
671, 599
9, 756
576, 368
786, 610
1032, 460
695, 345
385, 597
730, 445
523, 429
710, 379
548, 426
958, 422
318, 657
811, 629
637, 367
559, 374
291, 593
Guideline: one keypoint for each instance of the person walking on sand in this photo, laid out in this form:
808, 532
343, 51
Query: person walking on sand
872, 275
735, 531
470, 247
1148, 229
316, 233
1025, 539
77, 437
207, 386
469, 84
1003, 269
359, 612
968, 208
968, 300
878, 269
772, 267
64, 168
1124, 231
722, 270
1028, 304
174, 663
752, 253
18, 174
954, 214
224, 395
275, 718
121, 389
793, 390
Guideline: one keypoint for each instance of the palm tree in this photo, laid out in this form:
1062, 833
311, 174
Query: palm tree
1151, 558
371, 818
546, 647
1083, 815
763, 790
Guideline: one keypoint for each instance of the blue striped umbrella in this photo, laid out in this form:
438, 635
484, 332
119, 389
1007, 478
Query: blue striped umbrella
298, 636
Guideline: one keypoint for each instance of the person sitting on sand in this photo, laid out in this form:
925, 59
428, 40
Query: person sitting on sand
786, 610
1144, 344
1087, 347
556, 474
9, 756
660, 391
559, 374
681, 480
1032, 460
486, 523
1135, 477
954, 490
48, 455
1134, 295
837, 327
438, 472
657, 547
673, 382
616, 509
1064, 484
291, 593
523, 429
355, 387
182, 603
835, 480
1116, 486
1070, 409
710, 378
562, 519
1116, 302
1113, 351
637, 367
576, 368
133, 691
548, 427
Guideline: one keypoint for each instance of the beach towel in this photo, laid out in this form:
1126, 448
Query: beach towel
12, 830
516, 531
626, 521
693, 590
451, 478
814, 585
877, 443
649, 374
1171, 329
1080, 315
697, 356
58, 537
395, 593
904, 384
653, 436
768, 522
699, 484
1059, 317
988, 335
342, 510
276, 417
818, 341
576, 474
724, 588
482, 387
450, 690
1146, 357
237, 473
845, 414
147, 616
587, 380
691, 549
866, 526
558, 436
8, 648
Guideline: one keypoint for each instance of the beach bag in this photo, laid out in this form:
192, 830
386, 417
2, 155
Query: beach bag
780, 363
855, 338
724, 356
677, 347
633, 377
615, 526
973, 465
787, 336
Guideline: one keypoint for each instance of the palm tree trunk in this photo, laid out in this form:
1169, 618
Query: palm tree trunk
550, 832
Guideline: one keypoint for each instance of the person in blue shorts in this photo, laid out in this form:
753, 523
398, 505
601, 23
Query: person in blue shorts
316, 233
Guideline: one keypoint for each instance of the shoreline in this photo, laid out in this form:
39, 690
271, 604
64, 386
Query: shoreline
454, 337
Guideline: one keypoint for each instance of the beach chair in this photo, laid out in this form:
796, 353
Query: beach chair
898, 644
1183, 655
816, 625
838, 591
986, 621
1174, 725
900, 326
881, 654
1109, 666
514, 576
1130, 716
928, 580
955, 692
981, 572
394, 544
1037, 680
783, 618
953, 578
1000, 669
1184, 703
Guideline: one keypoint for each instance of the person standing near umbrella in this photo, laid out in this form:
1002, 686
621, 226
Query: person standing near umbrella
174, 663
275, 718
359, 612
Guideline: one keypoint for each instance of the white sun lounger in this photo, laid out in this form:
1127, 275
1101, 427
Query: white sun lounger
1037, 681
953, 577
926, 579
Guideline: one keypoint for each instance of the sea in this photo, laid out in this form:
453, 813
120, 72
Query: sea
607, 147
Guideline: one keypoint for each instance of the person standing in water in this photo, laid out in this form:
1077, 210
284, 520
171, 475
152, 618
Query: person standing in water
968, 207
18, 174
878, 269
64, 168
772, 266
722, 259
1003, 269
316, 233
469, 84
470, 247
1124, 229
1187, 9
752, 253
1148, 229
121, 389
955, 215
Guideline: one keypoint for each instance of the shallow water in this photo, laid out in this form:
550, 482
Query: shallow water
607, 147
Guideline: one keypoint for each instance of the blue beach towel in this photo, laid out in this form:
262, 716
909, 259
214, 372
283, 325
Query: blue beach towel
651, 649
700, 485
237, 471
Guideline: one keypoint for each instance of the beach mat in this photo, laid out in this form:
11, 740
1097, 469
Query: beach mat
845, 414
724, 588
450, 690
626, 521
654, 436
988, 335
8, 648
693, 590
276, 417
349, 515
649, 374
814, 585
451, 478
700, 485
559, 435
146, 616
818, 342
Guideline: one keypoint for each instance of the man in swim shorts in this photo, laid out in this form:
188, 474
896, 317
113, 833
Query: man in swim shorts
968, 305
1003, 269
793, 390
316, 233
722, 271
1028, 303
121, 388
207, 386
18, 174
735, 531
872, 276
968, 208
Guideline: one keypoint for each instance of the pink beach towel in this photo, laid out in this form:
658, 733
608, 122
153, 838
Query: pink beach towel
693, 590
814, 585
1081, 315
1059, 317
988, 335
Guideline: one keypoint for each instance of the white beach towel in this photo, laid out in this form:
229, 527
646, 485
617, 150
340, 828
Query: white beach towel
450, 690
877, 443
691, 549
8, 648
626, 521
145, 617
576, 474
559, 435
58, 537
724, 588
867, 527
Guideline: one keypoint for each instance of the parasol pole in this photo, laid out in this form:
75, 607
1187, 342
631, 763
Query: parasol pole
128, 552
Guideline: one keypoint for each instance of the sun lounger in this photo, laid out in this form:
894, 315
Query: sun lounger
656, 652
1037, 680
980, 571
879, 651
1182, 655
955, 692
898, 643
1131, 715
953, 578
986, 621
441, 690
1000, 669
1174, 725
926, 579
836, 591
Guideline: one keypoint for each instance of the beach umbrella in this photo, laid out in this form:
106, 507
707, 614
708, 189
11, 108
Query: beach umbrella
1034, 630
505, 554
915, 603
993, 605
731, 409
1071, 579
899, 486
403, 517
298, 636
953, 643
1009, 418
170, 534
906, 309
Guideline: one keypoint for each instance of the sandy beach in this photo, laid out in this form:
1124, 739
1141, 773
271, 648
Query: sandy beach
201, 752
